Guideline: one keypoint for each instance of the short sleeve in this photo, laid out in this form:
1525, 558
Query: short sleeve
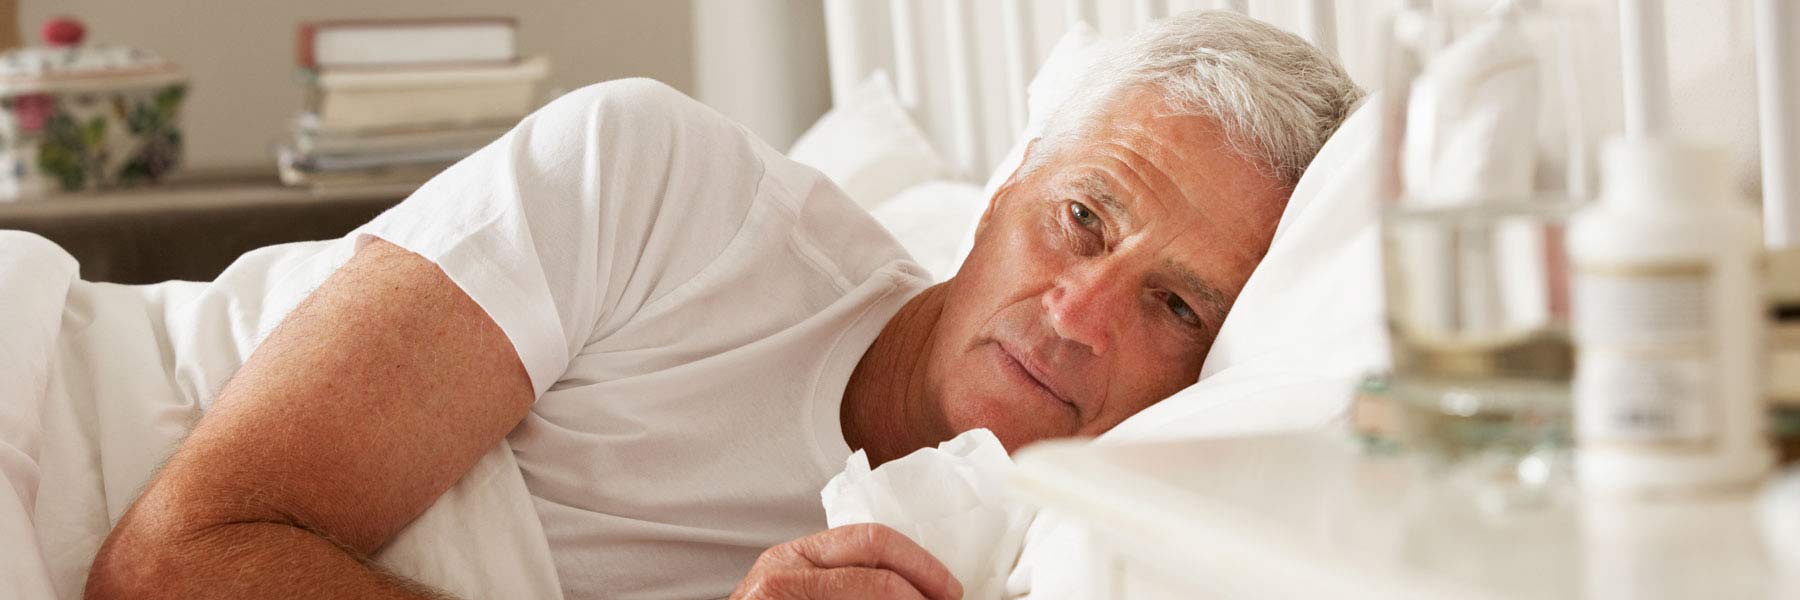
590, 208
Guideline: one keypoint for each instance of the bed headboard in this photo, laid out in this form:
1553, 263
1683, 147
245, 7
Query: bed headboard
961, 66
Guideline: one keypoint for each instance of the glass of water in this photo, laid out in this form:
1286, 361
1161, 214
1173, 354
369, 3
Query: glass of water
1477, 311
1489, 148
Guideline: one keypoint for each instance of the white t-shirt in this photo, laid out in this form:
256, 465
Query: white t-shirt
688, 302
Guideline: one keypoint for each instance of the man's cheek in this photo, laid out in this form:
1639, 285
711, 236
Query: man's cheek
1015, 422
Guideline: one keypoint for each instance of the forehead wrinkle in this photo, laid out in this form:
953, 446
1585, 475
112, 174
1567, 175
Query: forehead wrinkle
1157, 154
1138, 144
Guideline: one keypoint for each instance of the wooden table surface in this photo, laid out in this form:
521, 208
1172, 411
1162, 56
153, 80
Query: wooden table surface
192, 230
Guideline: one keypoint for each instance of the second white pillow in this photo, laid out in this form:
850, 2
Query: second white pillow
869, 145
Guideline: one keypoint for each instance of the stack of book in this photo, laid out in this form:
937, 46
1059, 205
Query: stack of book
391, 101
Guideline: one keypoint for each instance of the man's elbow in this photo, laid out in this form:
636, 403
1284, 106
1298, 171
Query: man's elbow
129, 568
139, 562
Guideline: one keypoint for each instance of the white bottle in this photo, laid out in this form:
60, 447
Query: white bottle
1668, 327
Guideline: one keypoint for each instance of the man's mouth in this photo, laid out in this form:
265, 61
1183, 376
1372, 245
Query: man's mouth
1034, 373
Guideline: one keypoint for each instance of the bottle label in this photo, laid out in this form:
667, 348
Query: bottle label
1643, 374
1633, 399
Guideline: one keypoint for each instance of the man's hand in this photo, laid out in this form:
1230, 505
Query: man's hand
854, 561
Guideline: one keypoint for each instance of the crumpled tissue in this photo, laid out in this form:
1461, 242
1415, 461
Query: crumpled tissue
952, 500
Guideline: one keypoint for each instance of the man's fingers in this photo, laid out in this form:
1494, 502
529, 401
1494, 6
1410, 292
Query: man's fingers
853, 561
847, 583
860, 582
875, 546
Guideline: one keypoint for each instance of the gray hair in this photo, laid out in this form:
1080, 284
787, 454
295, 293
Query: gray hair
1277, 97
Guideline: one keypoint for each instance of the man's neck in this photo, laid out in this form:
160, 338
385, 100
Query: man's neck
885, 411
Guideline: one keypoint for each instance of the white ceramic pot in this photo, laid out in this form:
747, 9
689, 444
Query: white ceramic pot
76, 118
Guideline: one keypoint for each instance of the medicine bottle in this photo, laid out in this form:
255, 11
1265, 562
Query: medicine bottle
1668, 323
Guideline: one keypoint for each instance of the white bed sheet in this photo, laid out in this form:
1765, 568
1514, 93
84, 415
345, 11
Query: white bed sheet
100, 382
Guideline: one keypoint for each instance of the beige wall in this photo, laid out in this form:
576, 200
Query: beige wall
240, 53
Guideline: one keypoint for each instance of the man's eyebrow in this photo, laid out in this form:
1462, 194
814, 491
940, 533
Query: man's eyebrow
1101, 191
1209, 298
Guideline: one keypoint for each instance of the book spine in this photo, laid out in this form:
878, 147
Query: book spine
508, 22
309, 34
304, 50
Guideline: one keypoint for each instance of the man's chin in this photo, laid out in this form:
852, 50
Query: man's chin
1013, 426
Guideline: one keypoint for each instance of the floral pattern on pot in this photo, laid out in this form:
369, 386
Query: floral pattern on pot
75, 141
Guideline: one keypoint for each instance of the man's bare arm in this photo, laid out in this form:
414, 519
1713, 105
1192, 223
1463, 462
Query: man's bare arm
368, 402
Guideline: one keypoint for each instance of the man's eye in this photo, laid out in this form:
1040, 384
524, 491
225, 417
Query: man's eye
1084, 216
1182, 310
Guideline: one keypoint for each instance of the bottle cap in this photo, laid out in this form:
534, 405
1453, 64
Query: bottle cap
1663, 170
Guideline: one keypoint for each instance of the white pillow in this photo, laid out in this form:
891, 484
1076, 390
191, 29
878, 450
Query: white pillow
930, 219
870, 146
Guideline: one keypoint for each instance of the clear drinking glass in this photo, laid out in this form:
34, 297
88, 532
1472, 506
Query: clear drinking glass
1477, 305
1490, 150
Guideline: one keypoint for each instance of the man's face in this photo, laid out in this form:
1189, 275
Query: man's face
1099, 280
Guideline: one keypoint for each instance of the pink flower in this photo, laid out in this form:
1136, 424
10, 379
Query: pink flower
33, 111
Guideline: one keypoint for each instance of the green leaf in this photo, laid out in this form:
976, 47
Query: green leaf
64, 163
169, 100
95, 132
143, 119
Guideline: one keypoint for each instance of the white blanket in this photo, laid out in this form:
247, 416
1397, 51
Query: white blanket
99, 383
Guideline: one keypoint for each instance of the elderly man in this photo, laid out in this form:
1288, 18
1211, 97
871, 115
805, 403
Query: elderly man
682, 335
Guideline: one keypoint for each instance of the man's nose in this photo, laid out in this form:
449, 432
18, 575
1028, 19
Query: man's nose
1086, 302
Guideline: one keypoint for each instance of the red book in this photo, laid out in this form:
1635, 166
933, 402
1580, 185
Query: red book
407, 42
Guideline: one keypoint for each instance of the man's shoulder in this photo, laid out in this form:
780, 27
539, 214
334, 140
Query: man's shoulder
848, 242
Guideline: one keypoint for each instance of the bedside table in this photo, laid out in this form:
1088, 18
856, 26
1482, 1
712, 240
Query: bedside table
192, 230
1309, 516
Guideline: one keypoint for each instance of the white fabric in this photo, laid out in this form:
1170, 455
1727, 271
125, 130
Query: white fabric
34, 279
688, 303
951, 499
931, 219
93, 400
870, 146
